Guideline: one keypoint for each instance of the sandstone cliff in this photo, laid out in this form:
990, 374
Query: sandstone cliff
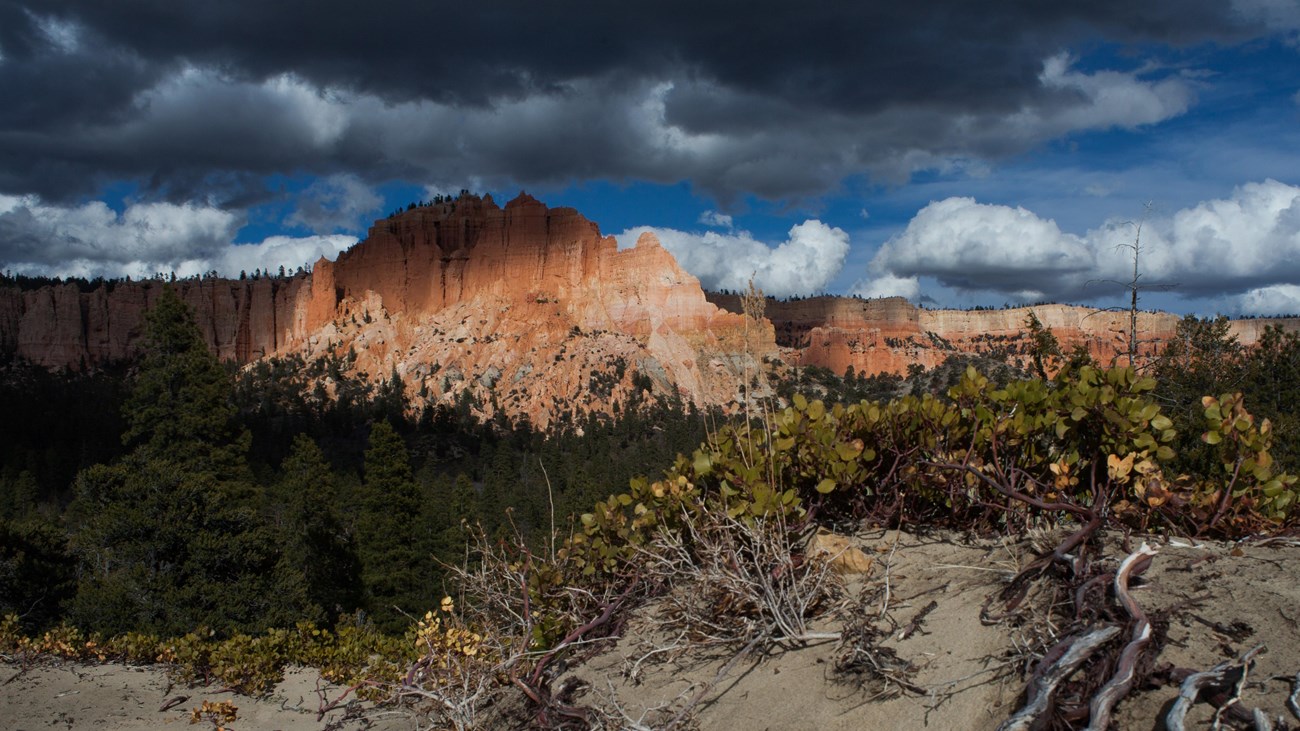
886, 335
62, 326
528, 308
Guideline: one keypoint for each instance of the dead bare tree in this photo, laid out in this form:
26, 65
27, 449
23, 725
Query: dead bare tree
1134, 285
753, 302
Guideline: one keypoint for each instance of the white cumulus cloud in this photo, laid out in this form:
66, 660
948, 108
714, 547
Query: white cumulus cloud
272, 253
1245, 247
93, 240
969, 245
39, 233
1105, 99
888, 285
714, 219
336, 203
1278, 299
803, 264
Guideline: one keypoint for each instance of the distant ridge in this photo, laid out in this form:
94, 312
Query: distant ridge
886, 335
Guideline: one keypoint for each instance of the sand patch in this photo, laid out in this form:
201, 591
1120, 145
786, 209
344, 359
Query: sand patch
1218, 600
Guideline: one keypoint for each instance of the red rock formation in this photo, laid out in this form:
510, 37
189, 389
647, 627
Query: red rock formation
62, 326
887, 335
528, 307
525, 306
534, 312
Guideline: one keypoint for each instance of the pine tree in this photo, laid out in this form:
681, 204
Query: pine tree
167, 540
453, 505
390, 403
181, 408
1273, 386
163, 551
318, 555
19, 494
1044, 348
498, 483
36, 571
395, 565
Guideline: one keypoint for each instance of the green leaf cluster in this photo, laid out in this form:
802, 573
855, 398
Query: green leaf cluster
1254, 485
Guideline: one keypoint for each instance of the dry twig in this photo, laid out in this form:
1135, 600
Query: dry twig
1293, 700
731, 580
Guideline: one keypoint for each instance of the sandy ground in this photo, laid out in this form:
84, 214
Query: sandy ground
966, 673
120, 698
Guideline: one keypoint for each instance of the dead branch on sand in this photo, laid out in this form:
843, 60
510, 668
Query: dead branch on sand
1070, 654
1126, 671
732, 581
1215, 684
1081, 582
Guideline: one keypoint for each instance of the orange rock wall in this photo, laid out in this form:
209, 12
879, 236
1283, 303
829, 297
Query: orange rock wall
530, 299
61, 326
523, 305
886, 335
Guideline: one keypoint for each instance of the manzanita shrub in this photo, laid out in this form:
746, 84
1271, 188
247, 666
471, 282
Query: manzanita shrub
1089, 437
1250, 494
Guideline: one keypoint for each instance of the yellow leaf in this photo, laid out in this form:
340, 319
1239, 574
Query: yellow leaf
1118, 469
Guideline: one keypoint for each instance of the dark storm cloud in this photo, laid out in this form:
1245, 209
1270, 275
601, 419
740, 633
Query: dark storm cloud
811, 52
776, 99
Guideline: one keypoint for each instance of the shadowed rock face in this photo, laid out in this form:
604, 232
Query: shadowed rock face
62, 326
528, 307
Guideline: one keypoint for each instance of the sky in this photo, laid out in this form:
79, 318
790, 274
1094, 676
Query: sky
956, 153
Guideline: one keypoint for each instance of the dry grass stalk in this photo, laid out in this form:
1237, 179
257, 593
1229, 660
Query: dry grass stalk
612, 714
732, 580
458, 691
863, 662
